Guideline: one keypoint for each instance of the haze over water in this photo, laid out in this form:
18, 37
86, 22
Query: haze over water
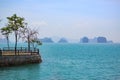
71, 19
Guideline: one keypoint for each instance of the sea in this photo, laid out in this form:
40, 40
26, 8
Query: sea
73, 61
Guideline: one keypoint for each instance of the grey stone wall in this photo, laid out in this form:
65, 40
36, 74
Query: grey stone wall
19, 60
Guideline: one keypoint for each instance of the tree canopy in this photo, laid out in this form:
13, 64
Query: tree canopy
18, 26
15, 23
6, 32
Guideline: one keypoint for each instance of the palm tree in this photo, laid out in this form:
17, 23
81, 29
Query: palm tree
15, 23
6, 31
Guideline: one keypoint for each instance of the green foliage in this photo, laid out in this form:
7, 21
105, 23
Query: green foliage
6, 31
35, 42
19, 27
15, 22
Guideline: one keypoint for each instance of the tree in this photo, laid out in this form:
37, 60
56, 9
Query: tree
15, 23
6, 31
35, 42
29, 36
85, 40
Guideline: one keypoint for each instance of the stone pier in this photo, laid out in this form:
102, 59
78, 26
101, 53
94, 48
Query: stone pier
12, 60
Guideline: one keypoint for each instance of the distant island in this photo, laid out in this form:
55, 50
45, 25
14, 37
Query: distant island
3, 40
63, 40
85, 39
99, 39
47, 40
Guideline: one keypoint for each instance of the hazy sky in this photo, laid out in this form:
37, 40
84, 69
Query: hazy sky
71, 19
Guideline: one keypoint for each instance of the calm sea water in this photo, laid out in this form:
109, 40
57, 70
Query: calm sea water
70, 62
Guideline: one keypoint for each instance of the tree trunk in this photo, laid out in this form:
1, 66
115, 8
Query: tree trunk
28, 43
7, 41
33, 45
15, 42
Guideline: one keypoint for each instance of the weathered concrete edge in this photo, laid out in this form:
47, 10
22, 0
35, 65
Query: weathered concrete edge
19, 60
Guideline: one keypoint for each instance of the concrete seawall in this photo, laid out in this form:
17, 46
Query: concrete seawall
19, 59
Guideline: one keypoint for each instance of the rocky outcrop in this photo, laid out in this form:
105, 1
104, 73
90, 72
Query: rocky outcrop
46, 40
63, 40
84, 40
101, 40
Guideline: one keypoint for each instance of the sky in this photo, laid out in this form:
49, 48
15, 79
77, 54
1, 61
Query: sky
72, 19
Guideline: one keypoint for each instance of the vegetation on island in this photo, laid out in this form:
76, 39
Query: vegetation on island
18, 26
